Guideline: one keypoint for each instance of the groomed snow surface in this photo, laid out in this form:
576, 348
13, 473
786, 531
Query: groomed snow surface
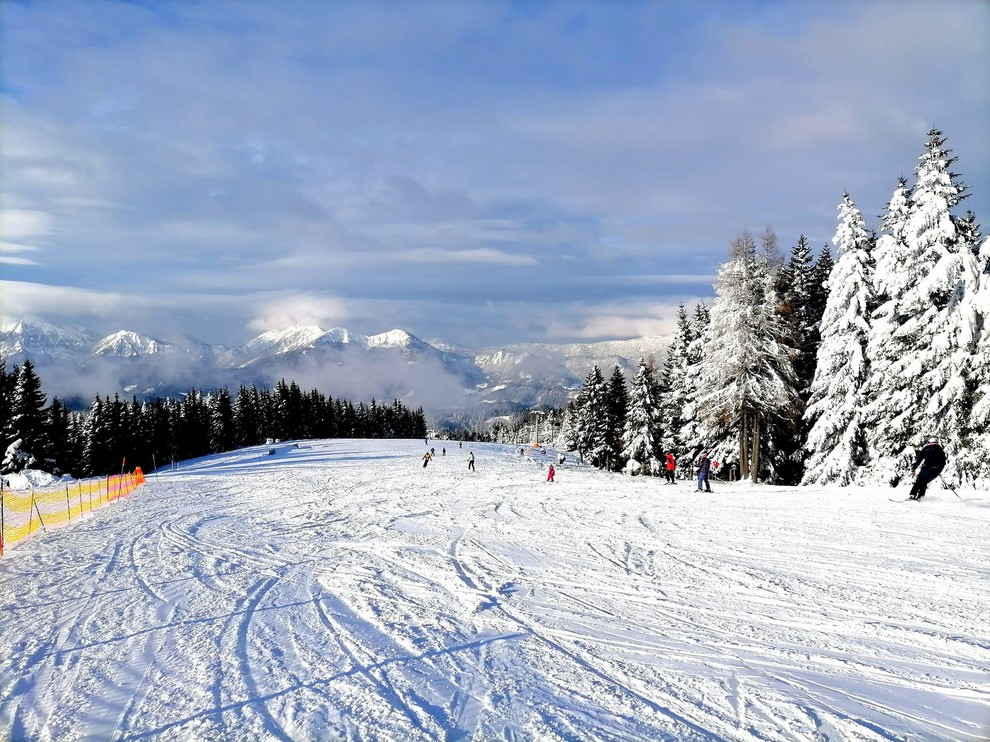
339, 590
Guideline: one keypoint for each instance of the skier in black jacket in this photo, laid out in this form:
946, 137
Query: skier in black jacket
932, 460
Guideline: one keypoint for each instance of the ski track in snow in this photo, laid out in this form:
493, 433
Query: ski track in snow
340, 590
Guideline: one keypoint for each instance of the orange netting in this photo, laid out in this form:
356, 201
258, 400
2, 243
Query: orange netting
25, 512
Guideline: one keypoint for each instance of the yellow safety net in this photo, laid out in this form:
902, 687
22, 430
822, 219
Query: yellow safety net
25, 512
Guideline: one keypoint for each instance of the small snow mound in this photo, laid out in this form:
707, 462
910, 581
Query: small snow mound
29, 478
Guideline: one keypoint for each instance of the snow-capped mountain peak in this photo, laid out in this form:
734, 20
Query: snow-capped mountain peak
394, 339
127, 344
40, 340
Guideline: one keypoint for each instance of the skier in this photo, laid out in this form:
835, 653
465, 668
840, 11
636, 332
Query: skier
444, 451
669, 470
704, 466
471, 461
932, 460
426, 459
550, 473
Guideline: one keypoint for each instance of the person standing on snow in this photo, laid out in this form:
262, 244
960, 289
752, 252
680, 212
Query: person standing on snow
550, 473
669, 468
426, 459
471, 461
704, 466
932, 460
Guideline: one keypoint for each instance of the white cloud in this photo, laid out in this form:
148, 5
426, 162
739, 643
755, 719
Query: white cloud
291, 311
440, 257
18, 224
22, 300
619, 319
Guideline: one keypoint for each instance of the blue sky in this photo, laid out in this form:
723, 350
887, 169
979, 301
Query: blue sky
481, 172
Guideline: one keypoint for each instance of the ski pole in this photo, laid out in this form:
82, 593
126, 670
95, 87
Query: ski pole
949, 486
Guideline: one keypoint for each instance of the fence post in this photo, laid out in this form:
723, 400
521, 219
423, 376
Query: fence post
34, 504
68, 507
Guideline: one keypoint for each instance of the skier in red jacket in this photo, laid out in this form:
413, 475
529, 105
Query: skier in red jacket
669, 472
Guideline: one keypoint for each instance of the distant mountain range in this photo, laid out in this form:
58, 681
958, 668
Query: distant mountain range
76, 364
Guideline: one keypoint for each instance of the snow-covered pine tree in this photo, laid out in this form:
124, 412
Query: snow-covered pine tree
673, 395
568, 437
801, 289
818, 290
918, 334
892, 244
793, 285
641, 436
836, 443
693, 437
96, 439
7, 381
593, 422
618, 406
223, 435
975, 466
747, 373
27, 419
57, 441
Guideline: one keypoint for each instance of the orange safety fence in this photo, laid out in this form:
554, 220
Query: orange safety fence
25, 512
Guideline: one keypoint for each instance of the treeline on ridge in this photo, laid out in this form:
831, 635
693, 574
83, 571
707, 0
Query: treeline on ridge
46, 436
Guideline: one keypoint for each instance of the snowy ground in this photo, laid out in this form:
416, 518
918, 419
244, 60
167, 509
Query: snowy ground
340, 590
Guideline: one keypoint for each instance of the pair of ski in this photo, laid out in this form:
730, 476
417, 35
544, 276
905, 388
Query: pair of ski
944, 484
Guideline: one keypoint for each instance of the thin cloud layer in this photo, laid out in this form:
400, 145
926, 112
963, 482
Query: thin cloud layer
484, 173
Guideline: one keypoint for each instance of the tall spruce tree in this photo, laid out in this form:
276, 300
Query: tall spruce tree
818, 290
916, 336
836, 442
805, 317
618, 405
975, 466
223, 434
642, 433
26, 423
693, 436
673, 396
593, 419
747, 374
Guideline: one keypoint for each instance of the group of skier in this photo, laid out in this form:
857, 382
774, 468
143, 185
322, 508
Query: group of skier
928, 464
431, 454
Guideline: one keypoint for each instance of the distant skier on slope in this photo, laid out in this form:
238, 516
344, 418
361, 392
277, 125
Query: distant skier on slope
471, 461
932, 460
669, 467
704, 467
426, 459
550, 472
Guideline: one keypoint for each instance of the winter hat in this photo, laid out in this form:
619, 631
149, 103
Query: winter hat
933, 440
704, 455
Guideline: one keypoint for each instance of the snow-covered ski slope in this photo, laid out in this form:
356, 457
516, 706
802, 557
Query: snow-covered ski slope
339, 590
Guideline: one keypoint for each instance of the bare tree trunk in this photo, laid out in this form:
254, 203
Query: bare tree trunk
743, 447
756, 445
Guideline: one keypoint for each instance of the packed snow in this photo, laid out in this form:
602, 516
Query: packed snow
338, 589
